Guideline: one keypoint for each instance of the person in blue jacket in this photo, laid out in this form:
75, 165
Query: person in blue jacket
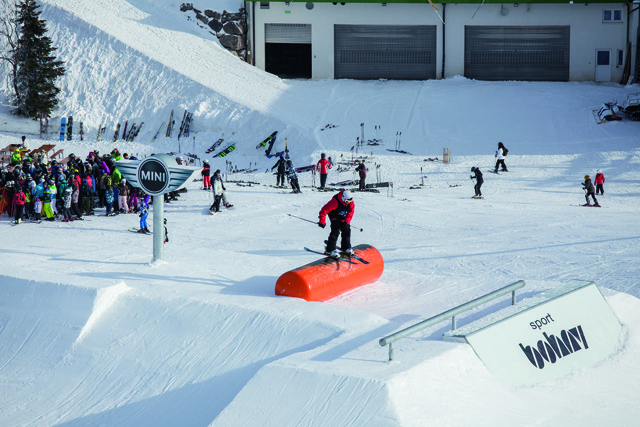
144, 212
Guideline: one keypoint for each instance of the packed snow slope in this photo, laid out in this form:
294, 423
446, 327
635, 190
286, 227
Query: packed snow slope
94, 333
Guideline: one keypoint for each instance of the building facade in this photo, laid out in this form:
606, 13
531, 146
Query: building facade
415, 40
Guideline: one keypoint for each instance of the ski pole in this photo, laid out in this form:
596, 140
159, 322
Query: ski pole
316, 222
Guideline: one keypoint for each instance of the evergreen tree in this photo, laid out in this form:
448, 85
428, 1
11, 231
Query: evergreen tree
37, 69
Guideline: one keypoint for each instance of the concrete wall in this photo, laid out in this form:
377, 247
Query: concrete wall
588, 32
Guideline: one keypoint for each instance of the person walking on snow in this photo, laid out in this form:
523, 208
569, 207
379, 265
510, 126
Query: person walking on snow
590, 191
479, 181
599, 182
218, 193
323, 166
281, 165
500, 155
340, 211
362, 173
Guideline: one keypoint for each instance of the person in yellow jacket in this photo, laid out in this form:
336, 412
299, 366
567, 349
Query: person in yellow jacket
16, 158
46, 204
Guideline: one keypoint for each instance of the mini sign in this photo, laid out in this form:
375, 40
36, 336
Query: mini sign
157, 174
153, 176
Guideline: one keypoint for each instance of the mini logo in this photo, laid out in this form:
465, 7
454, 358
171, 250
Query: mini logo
153, 176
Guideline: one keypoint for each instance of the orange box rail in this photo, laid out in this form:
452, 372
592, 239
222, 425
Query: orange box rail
327, 278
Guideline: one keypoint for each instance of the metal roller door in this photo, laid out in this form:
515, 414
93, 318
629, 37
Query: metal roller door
287, 33
534, 53
398, 52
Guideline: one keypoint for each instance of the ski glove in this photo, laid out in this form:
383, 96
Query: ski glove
321, 225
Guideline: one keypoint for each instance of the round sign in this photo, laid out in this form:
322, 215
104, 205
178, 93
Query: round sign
153, 176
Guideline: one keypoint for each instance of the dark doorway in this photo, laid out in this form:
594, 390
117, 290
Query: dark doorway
288, 60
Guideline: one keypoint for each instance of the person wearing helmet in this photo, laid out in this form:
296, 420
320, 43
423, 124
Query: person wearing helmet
293, 177
340, 211
123, 196
206, 175
479, 181
19, 200
282, 166
599, 182
16, 158
66, 205
218, 194
589, 191
323, 167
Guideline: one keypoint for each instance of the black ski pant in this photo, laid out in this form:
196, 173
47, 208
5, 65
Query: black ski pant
74, 210
323, 179
215, 207
280, 179
338, 227
294, 185
500, 162
477, 188
599, 189
19, 210
362, 186
595, 201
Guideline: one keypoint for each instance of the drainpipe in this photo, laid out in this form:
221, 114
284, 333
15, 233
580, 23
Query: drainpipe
444, 8
253, 33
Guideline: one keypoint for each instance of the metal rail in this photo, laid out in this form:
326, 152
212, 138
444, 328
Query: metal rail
451, 313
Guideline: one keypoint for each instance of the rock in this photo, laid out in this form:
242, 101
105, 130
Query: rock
186, 6
232, 42
215, 25
202, 18
233, 28
226, 16
209, 13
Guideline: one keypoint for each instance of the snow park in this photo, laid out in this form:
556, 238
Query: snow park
517, 308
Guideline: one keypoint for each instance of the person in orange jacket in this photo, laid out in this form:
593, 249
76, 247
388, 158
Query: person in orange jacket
323, 166
340, 211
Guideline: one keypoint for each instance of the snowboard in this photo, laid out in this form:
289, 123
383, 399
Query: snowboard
278, 154
267, 140
329, 256
69, 128
63, 124
81, 132
226, 151
215, 144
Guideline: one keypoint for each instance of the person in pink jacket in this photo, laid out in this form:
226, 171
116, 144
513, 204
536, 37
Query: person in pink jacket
599, 182
323, 167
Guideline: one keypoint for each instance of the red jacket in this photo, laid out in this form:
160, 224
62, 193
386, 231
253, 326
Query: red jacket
324, 166
19, 198
337, 210
599, 179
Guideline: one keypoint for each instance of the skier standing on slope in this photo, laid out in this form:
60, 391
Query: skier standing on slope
479, 181
340, 211
206, 174
500, 154
323, 166
282, 166
144, 212
362, 173
293, 177
599, 182
590, 191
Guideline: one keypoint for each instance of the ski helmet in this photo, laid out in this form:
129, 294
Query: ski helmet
322, 155
205, 162
587, 176
473, 168
598, 171
347, 197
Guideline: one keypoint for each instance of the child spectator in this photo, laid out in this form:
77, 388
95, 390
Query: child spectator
123, 196
108, 196
37, 209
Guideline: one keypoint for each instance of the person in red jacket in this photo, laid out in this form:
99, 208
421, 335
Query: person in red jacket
599, 182
340, 211
19, 200
323, 166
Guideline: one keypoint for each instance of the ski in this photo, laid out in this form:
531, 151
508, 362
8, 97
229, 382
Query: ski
187, 125
136, 132
131, 131
305, 168
271, 142
184, 117
69, 128
137, 230
115, 135
362, 260
124, 132
170, 125
63, 123
98, 134
226, 151
157, 133
589, 206
329, 256
215, 144
266, 140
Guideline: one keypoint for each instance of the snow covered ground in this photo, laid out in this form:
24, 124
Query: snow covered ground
94, 333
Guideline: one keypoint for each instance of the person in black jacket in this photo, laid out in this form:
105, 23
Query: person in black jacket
362, 172
282, 166
479, 181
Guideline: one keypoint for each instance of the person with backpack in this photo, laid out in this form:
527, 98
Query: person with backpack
323, 167
479, 181
500, 155
599, 182
340, 210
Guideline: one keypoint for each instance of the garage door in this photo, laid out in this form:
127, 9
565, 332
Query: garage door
401, 52
287, 33
533, 53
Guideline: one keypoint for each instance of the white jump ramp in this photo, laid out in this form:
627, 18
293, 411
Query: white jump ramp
544, 337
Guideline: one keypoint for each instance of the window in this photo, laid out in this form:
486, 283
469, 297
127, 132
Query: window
612, 15
620, 58
264, 5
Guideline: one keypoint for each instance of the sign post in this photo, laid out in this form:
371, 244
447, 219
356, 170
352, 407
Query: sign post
157, 175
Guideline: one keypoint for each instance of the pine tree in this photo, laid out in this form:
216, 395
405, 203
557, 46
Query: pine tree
37, 69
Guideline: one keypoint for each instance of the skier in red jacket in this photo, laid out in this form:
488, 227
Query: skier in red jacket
323, 166
340, 211
599, 182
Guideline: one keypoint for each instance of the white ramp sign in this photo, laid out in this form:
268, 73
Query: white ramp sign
573, 327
